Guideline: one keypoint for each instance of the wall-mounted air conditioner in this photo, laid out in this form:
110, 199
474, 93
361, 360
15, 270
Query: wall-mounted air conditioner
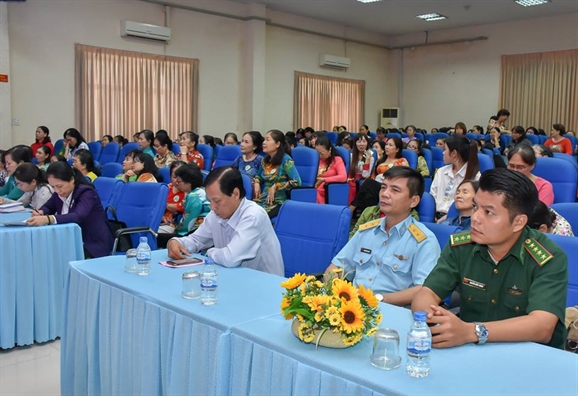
336, 62
389, 117
144, 30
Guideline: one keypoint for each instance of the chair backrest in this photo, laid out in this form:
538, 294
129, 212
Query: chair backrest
311, 235
488, 152
567, 157
142, 205
562, 174
176, 149
505, 139
165, 172
428, 156
110, 153
57, 146
207, 153
570, 247
437, 157
393, 134
452, 211
426, 208
420, 136
95, 148
442, 232
542, 138
112, 169
435, 136
474, 136
533, 138
345, 156
127, 148
332, 136
486, 162
411, 157
226, 155
572, 141
373, 135
108, 190
307, 163
218, 148
569, 211
248, 184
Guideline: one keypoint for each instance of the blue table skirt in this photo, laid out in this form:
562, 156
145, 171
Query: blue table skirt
32, 273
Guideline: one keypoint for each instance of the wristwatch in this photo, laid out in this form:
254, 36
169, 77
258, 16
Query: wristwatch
482, 333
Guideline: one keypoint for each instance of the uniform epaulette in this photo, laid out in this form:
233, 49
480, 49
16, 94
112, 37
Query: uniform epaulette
460, 238
368, 225
416, 233
537, 251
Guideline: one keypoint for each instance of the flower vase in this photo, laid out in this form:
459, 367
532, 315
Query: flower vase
324, 337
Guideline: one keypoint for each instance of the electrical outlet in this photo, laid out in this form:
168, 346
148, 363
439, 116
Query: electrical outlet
15, 122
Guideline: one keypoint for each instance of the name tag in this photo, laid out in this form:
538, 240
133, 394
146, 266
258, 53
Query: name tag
474, 284
365, 250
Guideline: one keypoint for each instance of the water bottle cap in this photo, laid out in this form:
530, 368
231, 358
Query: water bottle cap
209, 260
419, 316
143, 239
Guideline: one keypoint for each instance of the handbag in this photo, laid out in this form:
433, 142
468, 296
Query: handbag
115, 225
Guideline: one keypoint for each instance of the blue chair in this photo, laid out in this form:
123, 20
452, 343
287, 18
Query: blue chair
533, 138
141, 206
58, 145
488, 152
474, 136
352, 134
218, 148
435, 136
486, 162
420, 136
227, 155
572, 140
165, 173
452, 211
110, 153
428, 156
437, 158
307, 164
108, 190
569, 211
562, 174
311, 235
411, 157
427, 183
373, 135
570, 247
207, 153
332, 136
567, 157
393, 134
542, 138
505, 139
338, 193
112, 169
426, 208
127, 148
442, 232
248, 184
95, 148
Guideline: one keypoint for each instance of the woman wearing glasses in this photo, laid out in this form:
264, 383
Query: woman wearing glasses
523, 159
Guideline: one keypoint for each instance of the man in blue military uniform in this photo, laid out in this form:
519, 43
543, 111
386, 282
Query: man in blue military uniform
392, 255
512, 280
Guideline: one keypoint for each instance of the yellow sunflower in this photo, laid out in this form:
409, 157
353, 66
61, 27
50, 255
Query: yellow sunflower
352, 317
306, 334
310, 279
285, 304
319, 316
368, 296
294, 281
331, 311
378, 319
335, 319
316, 302
344, 290
352, 340
372, 331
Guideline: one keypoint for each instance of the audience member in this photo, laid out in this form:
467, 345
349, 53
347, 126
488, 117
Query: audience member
249, 162
460, 128
464, 204
545, 219
379, 148
518, 137
523, 159
380, 132
331, 167
3, 173
42, 139
512, 280
106, 139
127, 164
84, 162
503, 116
393, 255
145, 141
189, 141
410, 131
440, 143
557, 142
32, 181
13, 158
231, 139
75, 201
416, 146
144, 169
364, 129
163, 146
277, 175
236, 232
120, 140
43, 157
542, 151
73, 142
57, 158
361, 163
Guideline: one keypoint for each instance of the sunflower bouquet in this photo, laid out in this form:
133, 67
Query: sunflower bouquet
335, 305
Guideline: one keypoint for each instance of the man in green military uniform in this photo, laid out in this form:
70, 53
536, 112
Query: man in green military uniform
512, 280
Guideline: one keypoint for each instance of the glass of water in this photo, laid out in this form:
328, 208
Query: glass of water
385, 353
131, 265
191, 285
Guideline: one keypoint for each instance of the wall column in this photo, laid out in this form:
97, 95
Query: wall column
5, 102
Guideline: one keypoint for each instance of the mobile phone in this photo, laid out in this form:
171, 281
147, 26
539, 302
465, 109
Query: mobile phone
190, 260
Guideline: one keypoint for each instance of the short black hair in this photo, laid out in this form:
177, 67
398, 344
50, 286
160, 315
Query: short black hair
503, 112
190, 173
62, 171
415, 181
229, 178
19, 154
541, 215
525, 151
519, 192
164, 140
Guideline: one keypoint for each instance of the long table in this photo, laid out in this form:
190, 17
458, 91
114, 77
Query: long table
33, 265
127, 334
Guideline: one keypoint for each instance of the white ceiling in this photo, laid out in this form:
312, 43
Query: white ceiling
396, 17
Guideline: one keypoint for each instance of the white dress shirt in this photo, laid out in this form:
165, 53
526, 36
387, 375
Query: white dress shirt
247, 239
445, 184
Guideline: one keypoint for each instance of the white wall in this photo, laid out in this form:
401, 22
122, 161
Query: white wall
460, 82
5, 105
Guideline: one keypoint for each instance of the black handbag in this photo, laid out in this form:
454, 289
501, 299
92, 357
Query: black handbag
124, 241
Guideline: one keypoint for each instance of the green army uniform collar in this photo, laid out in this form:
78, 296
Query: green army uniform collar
517, 250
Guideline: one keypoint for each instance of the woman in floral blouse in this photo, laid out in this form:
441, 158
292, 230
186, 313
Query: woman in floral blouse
164, 156
189, 153
278, 174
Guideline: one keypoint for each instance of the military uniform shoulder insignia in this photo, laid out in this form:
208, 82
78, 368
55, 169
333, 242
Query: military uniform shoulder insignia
537, 251
460, 238
368, 225
416, 233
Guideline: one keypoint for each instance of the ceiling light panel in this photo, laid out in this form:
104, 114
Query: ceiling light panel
431, 17
530, 3
368, 1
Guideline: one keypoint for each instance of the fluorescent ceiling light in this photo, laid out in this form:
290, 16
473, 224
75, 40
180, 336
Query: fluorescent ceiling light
368, 1
431, 17
530, 3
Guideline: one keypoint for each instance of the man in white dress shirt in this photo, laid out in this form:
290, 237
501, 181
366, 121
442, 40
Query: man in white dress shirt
237, 231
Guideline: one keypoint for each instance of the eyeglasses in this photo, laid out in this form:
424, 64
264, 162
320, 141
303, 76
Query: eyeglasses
518, 167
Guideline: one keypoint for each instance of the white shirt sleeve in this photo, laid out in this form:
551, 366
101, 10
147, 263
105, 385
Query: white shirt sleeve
244, 243
202, 238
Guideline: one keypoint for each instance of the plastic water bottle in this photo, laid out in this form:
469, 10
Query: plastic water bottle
209, 283
143, 257
418, 347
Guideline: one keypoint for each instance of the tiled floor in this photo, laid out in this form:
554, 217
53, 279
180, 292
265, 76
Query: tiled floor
30, 370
